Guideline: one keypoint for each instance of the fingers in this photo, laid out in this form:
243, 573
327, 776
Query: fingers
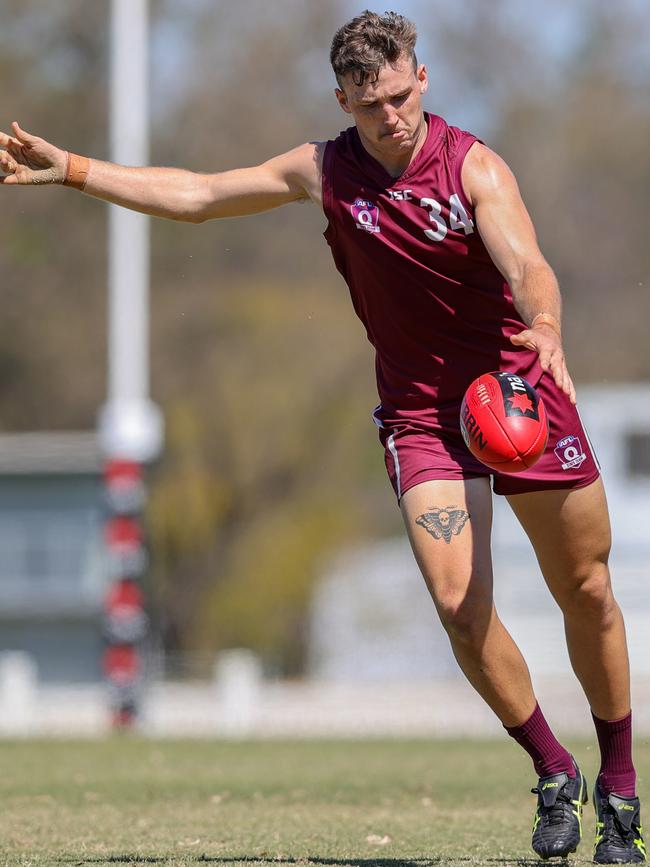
564, 381
572, 392
23, 136
7, 162
9, 143
551, 358
9, 166
14, 173
554, 362
19, 144
13, 148
12, 157
524, 338
19, 138
517, 338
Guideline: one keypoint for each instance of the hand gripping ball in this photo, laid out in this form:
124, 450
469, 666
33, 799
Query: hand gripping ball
503, 422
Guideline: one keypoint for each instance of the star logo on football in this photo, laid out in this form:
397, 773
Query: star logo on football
521, 401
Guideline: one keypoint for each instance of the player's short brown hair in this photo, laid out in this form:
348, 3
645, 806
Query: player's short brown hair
368, 42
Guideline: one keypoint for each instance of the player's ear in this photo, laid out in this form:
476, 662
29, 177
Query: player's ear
422, 77
342, 100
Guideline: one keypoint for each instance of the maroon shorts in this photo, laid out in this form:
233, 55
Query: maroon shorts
414, 455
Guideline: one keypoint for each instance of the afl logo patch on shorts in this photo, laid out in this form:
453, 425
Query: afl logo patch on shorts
570, 453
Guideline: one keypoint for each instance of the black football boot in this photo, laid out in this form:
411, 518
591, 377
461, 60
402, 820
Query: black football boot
557, 828
619, 835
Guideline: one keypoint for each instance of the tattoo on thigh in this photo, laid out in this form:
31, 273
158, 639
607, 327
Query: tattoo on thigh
443, 523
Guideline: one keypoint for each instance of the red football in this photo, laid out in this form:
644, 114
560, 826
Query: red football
503, 422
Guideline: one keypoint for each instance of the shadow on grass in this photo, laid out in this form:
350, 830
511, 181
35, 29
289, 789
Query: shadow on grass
326, 862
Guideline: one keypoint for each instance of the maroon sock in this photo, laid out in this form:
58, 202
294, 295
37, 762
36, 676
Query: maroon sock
617, 772
548, 755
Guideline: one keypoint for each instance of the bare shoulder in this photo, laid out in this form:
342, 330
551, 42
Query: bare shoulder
485, 173
302, 168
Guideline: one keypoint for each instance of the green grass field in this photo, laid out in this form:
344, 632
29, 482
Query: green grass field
370, 803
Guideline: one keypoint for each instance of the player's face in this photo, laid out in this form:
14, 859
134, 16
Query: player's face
388, 112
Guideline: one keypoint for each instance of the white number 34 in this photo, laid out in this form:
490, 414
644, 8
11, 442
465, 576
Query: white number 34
458, 218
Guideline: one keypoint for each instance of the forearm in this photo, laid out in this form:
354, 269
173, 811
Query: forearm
177, 194
160, 192
536, 291
536, 296
183, 195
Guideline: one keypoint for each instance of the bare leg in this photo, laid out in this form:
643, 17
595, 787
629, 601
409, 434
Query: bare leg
571, 535
448, 523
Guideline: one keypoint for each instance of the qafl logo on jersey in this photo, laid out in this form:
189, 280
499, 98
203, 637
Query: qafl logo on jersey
366, 215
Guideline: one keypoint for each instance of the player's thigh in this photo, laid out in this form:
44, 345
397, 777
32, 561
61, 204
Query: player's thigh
448, 524
571, 535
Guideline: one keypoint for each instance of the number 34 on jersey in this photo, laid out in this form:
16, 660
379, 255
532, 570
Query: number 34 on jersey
459, 219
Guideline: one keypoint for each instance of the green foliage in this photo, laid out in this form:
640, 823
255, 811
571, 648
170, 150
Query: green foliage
264, 477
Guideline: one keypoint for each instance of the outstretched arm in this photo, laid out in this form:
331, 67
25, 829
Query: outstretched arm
509, 236
168, 192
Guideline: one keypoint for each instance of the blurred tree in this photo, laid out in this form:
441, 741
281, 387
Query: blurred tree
52, 246
560, 91
588, 189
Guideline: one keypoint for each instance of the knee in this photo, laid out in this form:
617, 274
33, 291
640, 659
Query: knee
465, 619
589, 594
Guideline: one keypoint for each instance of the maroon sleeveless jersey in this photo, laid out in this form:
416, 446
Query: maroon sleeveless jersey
435, 307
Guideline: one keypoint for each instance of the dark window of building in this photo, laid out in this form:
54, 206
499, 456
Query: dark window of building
42, 547
637, 450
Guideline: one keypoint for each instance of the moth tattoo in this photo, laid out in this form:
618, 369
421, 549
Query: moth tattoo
443, 523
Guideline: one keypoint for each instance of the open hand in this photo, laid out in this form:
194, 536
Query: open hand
546, 342
27, 159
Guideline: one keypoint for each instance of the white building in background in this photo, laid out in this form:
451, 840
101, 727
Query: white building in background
372, 616
52, 565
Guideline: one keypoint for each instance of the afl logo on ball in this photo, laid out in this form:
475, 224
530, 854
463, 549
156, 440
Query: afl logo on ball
569, 453
519, 398
366, 215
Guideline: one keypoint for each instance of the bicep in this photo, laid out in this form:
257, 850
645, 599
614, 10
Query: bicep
290, 177
501, 216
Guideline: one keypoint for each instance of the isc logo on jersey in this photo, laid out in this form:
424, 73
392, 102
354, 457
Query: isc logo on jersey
569, 453
366, 215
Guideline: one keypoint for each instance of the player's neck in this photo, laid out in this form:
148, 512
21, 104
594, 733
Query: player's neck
396, 164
